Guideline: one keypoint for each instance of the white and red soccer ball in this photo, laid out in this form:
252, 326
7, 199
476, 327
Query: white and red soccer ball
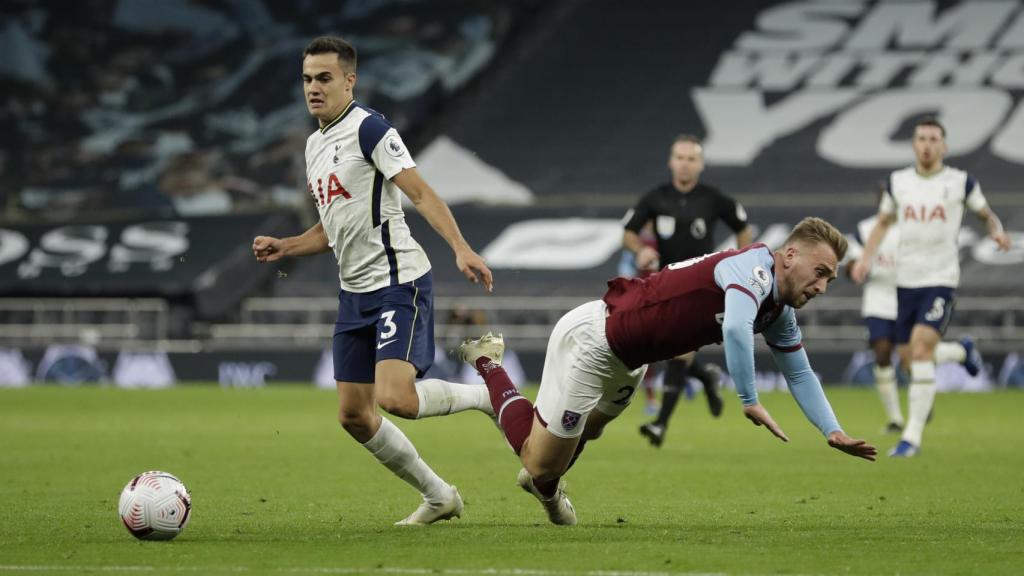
155, 506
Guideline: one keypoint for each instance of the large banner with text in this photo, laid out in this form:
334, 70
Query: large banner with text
204, 261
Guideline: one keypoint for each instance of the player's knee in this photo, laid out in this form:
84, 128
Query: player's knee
399, 404
922, 353
356, 421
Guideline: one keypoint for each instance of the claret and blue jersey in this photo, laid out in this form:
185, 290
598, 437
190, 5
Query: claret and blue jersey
725, 297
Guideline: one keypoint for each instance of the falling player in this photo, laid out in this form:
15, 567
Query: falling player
597, 353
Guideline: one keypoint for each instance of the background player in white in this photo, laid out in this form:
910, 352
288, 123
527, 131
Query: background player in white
598, 352
878, 308
356, 164
926, 201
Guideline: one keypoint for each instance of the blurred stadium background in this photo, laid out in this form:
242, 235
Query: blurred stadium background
144, 145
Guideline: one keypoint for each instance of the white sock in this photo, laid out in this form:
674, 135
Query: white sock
438, 397
394, 450
922, 396
885, 381
950, 352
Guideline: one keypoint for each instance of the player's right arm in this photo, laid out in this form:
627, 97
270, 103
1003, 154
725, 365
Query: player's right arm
738, 339
270, 249
862, 267
740, 276
646, 257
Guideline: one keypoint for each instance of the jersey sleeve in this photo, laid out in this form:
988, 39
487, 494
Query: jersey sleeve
784, 334
806, 389
640, 214
738, 340
974, 199
746, 283
786, 343
732, 213
888, 202
747, 273
381, 145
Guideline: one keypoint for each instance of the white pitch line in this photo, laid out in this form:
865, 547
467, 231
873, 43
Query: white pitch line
343, 570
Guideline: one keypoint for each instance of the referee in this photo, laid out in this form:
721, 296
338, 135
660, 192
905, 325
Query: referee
683, 213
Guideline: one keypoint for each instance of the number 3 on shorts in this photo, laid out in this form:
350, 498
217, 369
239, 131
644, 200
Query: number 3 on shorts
938, 310
389, 325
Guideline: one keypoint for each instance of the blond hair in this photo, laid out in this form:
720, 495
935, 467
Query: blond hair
817, 231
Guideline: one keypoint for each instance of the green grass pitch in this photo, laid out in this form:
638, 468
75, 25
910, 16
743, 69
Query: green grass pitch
279, 488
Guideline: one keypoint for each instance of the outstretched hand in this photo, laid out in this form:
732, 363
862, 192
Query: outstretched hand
760, 417
852, 446
473, 268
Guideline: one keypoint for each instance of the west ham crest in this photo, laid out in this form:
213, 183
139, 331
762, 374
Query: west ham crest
570, 419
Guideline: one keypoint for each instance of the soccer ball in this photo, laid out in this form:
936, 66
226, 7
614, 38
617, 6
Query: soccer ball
155, 506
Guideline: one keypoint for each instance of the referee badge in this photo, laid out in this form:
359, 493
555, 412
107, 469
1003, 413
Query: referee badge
699, 229
665, 225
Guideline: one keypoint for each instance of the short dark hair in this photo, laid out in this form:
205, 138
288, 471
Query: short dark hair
687, 138
930, 121
327, 44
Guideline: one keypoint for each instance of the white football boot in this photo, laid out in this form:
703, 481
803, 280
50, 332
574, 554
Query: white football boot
558, 507
492, 347
488, 345
430, 512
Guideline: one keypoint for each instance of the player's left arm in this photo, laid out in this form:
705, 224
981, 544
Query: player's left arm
995, 228
975, 200
430, 205
785, 341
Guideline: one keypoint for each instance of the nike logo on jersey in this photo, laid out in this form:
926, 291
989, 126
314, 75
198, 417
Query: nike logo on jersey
385, 343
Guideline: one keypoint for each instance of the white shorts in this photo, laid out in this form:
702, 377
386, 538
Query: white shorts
581, 373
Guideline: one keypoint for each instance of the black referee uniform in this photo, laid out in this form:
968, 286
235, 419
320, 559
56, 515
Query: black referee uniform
684, 226
684, 222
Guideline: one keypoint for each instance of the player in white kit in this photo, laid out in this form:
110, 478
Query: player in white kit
879, 310
927, 202
356, 165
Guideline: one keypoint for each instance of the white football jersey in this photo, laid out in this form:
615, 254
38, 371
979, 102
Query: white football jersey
929, 212
349, 166
879, 300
